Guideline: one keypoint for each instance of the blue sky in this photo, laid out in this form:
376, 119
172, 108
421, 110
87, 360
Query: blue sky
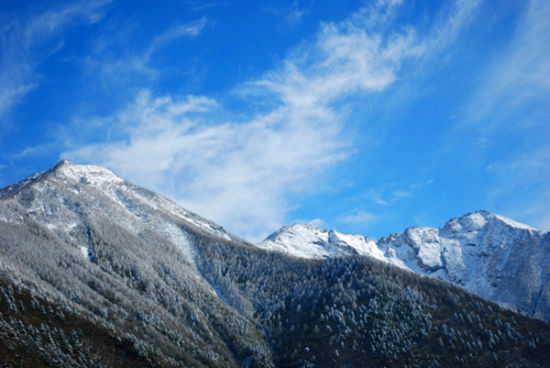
365, 116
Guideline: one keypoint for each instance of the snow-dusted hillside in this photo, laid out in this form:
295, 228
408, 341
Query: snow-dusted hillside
84, 237
488, 254
132, 203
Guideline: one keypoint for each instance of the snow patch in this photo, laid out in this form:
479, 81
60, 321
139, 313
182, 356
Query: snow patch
360, 243
512, 223
179, 238
85, 251
87, 174
161, 203
475, 221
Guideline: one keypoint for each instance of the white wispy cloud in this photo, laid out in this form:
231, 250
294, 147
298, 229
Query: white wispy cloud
191, 29
294, 16
135, 66
520, 75
378, 14
359, 217
28, 39
527, 176
235, 173
343, 59
316, 222
449, 28
241, 173
389, 194
15, 87
534, 161
292, 13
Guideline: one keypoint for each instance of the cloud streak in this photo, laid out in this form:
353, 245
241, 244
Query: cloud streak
389, 194
359, 217
526, 175
135, 67
191, 29
236, 173
521, 74
27, 42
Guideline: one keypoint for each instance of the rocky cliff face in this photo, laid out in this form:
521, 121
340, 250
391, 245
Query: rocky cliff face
488, 254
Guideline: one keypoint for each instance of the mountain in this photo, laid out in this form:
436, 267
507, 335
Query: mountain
98, 272
488, 254
87, 239
309, 241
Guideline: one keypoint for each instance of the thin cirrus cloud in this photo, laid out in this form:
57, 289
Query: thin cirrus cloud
292, 13
240, 174
28, 41
359, 217
391, 193
178, 31
528, 174
115, 69
521, 74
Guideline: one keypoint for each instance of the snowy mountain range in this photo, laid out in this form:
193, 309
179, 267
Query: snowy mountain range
98, 272
488, 254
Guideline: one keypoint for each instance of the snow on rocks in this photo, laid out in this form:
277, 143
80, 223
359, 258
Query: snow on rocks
55, 197
85, 251
309, 241
488, 254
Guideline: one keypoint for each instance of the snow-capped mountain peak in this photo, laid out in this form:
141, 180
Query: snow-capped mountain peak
85, 174
108, 194
87, 238
310, 241
77, 174
486, 253
302, 240
475, 221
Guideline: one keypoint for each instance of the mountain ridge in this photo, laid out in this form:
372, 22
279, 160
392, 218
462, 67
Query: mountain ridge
481, 251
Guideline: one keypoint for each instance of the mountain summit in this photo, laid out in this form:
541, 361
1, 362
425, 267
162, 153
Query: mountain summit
309, 241
86, 238
486, 253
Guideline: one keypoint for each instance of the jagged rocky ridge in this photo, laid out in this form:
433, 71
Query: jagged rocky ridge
95, 270
488, 254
